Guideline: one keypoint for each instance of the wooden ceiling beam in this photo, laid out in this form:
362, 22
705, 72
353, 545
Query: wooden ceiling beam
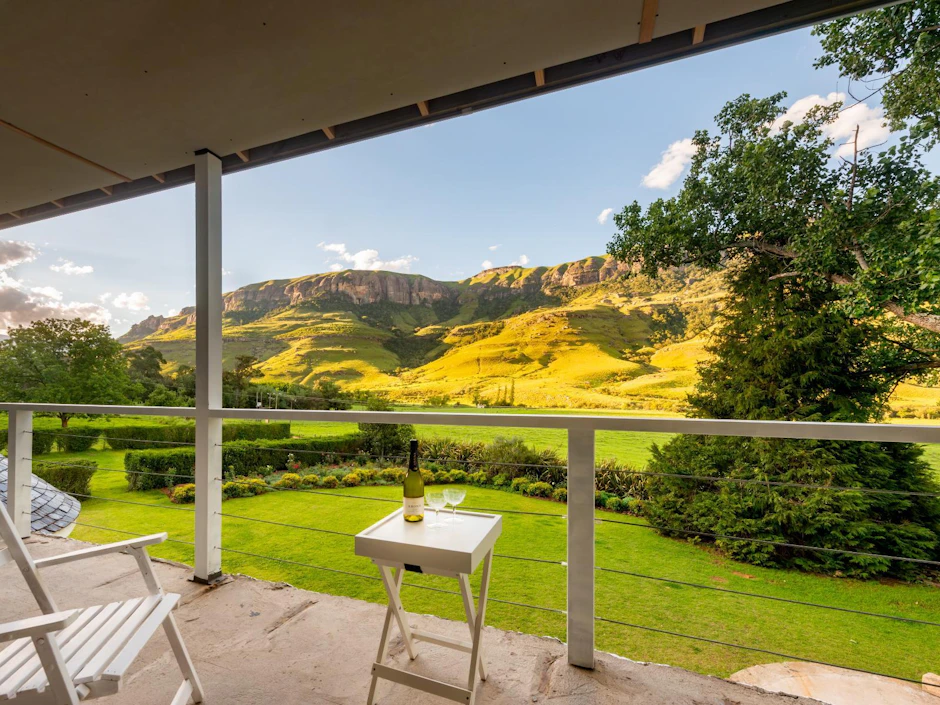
698, 34
107, 189
242, 154
57, 203
648, 20
539, 77
423, 108
330, 133
161, 178
18, 216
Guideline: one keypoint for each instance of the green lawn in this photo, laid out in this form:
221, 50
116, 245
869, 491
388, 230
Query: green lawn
854, 640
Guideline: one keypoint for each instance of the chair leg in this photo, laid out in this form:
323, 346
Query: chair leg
182, 657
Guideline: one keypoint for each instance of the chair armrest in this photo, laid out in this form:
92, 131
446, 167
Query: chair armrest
36, 626
95, 551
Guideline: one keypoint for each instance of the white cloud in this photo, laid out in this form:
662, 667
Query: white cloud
103, 298
521, 262
870, 122
486, 264
172, 312
365, 259
226, 272
66, 266
673, 162
14, 252
493, 248
604, 215
135, 301
49, 292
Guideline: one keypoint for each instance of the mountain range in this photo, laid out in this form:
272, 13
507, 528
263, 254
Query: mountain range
589, 333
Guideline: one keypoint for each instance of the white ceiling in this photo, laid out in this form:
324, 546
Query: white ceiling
138, 85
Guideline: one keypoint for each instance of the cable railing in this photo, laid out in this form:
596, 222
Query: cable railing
573, 473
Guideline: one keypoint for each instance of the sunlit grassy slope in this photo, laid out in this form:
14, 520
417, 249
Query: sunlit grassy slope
587, 346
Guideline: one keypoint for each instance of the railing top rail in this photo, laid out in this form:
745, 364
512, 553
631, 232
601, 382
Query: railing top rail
885, 433
123, 410
888, 433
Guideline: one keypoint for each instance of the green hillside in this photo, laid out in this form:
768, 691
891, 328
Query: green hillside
578, 335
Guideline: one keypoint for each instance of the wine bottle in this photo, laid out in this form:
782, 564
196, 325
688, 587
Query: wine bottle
414, 487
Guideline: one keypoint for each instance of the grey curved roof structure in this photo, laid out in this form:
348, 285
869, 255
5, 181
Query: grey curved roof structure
52, 509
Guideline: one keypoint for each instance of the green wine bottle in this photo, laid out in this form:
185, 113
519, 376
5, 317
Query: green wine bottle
414, 487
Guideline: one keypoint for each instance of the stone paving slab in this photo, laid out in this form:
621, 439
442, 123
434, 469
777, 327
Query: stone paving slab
259, 642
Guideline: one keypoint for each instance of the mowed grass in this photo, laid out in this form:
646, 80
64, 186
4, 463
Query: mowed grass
859, 641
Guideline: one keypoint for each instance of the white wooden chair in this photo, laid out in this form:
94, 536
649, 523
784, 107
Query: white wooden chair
65, 657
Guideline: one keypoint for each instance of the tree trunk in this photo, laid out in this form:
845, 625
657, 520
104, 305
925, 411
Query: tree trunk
64, 418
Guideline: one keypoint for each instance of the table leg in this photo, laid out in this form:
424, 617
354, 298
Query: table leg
393, 588
383, 642
478, 626
470, 611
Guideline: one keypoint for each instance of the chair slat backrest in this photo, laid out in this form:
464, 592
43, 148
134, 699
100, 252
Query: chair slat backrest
17, 550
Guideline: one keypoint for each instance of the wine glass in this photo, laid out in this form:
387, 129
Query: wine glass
454, 496
436, 502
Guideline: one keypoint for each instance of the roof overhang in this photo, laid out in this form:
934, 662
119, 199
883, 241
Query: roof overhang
108, 99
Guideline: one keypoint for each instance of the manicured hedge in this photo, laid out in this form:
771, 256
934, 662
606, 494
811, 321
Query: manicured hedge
238, 458
135, 437
73, 476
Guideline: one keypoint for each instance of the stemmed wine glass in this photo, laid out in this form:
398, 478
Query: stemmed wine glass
436, 502
454, 496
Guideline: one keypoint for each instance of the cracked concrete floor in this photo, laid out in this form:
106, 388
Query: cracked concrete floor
259, 642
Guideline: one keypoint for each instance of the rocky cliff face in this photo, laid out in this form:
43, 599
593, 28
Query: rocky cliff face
369, 287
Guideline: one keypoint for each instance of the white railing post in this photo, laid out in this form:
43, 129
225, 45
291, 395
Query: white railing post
20, 470
581, 548
208, 550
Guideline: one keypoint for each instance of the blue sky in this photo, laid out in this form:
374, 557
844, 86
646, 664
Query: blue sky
529, 180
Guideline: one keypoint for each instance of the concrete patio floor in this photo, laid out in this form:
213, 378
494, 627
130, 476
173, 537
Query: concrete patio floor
258, 642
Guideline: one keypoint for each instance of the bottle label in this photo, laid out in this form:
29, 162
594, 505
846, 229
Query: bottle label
414, 506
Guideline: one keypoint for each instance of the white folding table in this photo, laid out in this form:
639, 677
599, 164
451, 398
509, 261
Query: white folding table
453, 551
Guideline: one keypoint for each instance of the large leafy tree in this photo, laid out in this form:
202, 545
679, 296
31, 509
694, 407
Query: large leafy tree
867, 224
785, 349
895, 52
64, 362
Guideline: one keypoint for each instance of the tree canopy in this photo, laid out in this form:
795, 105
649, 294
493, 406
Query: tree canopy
869, 224
895, 52
65, 362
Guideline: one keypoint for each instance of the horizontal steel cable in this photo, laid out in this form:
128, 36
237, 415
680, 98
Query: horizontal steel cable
729, 591
775, 483
131, 533
421, 458
387, 500
126, 501
102, 435
65, 464
347, 534
717, 642
377, 578
768, 542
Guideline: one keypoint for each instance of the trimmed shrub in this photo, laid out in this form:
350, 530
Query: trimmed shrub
184, 494
69, 440
519, 484
538, 489
290, 480
427, 476
441, 477
73, 476
392, 475
478, 478
42, 442
240, 457
351, 480
330, 482
136, 437
244, 487
458, 476
310, 480
614, 504
560, 494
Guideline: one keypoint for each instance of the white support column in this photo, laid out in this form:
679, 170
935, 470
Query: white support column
20, 470
208, 366
581, 548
